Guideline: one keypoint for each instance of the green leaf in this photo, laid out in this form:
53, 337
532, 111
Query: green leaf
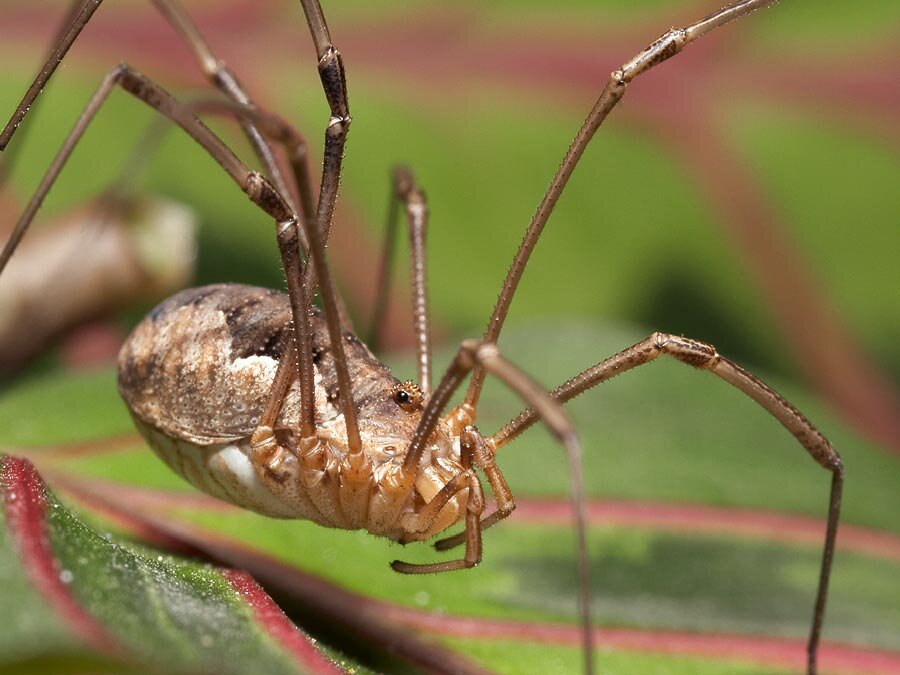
67, 588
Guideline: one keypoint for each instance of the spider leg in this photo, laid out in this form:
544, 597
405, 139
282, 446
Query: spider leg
406, 191
81, 12
254, 185
473, 353
503, 496
85, 10
423, 521
705, 357
10, 156
334, 85
663, 48
223, 79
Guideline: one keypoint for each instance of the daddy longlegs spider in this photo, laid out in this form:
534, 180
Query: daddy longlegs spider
262, 400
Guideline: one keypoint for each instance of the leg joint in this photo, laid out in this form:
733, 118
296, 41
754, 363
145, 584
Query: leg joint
263, 193
334, 83
694, 353
664, 47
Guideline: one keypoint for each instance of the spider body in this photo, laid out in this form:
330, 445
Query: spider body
267, 402
195, 374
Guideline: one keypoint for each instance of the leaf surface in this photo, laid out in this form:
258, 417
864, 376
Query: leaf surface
69, 587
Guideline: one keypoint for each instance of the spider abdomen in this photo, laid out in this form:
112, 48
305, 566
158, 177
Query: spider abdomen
197, 374
199, 366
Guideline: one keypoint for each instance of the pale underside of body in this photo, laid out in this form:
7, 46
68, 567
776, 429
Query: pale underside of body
196, 373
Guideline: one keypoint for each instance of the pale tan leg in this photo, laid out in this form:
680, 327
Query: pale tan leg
474, 507
466, 479
705, 357
506, 503
269, 456
267, 453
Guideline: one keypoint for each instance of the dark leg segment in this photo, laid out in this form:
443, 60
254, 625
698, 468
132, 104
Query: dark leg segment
10, 154
83, 14
705, 357
331, 73
406, 191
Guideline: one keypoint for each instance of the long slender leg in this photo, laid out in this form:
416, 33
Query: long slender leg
331, 73
405, 190
10, 155
81, 17
215, 70
705, 357
254, 185
270, 127
666, 46
385, 270
474, 353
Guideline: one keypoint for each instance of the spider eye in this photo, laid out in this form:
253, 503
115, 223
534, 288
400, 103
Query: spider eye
407, 396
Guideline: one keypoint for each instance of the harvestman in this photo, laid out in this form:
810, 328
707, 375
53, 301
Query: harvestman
267, 402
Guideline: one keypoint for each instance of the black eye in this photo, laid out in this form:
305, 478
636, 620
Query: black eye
407, 395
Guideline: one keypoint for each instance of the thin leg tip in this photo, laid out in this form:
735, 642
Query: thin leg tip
444, 544
400, 566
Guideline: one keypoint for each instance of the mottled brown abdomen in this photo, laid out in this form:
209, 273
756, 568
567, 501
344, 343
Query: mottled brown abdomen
200, 365
197, 374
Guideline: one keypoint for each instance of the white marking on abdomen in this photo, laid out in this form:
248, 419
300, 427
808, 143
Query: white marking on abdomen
223, 470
